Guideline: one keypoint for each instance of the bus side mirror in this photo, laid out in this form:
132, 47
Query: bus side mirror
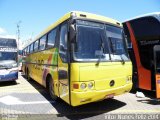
72, 32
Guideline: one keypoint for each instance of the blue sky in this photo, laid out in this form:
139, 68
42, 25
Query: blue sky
36, 15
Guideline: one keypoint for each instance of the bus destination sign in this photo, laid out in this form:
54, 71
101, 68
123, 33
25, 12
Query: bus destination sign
4, 49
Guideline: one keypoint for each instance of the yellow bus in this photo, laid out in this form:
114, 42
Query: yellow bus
81, 58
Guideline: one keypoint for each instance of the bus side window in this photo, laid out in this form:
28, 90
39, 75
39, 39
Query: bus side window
24, 52
42, 43
63, 43
28, 50
51, 39
36, 45
31, 48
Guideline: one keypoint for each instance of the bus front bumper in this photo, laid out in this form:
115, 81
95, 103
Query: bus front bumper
9, 77
79, 98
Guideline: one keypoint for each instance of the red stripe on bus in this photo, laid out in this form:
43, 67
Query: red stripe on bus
144, 75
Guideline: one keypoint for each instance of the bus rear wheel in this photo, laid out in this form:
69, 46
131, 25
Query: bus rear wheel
51, 89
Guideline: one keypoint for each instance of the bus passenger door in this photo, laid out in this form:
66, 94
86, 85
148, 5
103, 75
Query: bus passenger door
63, 64
157, 69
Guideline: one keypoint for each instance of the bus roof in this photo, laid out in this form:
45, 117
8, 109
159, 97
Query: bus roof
79, 14
154, 14
7, 38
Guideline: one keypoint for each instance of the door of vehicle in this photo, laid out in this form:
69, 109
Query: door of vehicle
157, 69
63, 74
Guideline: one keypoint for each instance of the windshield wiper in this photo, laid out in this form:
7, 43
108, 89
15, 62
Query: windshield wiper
99, 60
122, 60
102, 49
111, 45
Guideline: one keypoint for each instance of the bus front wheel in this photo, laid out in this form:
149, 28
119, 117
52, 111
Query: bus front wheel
51, 89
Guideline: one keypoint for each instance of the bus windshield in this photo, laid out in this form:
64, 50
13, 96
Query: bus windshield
96, 40
8, 43
8, 59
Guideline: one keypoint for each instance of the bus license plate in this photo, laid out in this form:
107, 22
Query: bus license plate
109, 96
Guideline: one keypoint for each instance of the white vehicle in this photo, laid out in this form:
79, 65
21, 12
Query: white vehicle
8, 59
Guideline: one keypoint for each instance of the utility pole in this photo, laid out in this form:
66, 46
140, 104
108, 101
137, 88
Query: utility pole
18, 33
18, 38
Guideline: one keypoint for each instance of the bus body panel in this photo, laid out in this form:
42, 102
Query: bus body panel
63, 80
40, 64
101, 76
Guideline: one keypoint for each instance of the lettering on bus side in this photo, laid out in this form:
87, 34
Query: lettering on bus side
39, 65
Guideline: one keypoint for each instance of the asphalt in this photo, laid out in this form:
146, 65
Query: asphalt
28, 100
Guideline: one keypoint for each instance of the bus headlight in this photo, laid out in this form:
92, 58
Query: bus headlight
14, 65
83, 86
90, 85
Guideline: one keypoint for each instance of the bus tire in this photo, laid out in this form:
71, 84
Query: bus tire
27, 75
25, 72
51, 89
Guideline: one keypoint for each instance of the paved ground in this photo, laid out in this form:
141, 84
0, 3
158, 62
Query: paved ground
25, 99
